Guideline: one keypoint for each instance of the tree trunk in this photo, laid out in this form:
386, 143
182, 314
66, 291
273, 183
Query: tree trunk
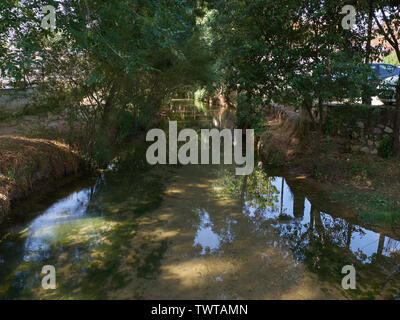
282, 188
366, 99
316, 138
108, 105
396, 126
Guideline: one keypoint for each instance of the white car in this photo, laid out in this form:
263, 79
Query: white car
387, 90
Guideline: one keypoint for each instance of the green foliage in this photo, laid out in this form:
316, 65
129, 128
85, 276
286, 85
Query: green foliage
200, 94
22, 174
276, 159
249, 114
317, 174
290, 50
356, 168
257, 189
385, 149
378, 210
109, 64
298, 55
342, 116
102, 155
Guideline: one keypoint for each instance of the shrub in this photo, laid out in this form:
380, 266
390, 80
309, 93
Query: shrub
249, 114
385, 149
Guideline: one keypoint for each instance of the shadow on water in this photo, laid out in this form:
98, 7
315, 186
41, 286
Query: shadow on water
146, 232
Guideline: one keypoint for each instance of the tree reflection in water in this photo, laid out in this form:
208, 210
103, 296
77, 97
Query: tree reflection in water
323, 242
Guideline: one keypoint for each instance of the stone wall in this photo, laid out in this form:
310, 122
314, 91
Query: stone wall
365, 128
14, 99
284, 112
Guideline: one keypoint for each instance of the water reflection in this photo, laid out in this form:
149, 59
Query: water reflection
321, 240
83, 234
45, 228
291, 212
362, 242
205, 236
210, 240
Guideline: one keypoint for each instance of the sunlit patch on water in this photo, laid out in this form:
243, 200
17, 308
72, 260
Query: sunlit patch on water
44, 229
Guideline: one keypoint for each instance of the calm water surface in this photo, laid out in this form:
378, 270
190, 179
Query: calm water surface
192, 232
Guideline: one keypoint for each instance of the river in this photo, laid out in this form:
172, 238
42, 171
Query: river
192, 232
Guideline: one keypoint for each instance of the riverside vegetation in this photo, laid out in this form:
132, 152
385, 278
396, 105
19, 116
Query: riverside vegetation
112, 70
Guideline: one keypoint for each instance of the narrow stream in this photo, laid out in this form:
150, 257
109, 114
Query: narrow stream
192, 232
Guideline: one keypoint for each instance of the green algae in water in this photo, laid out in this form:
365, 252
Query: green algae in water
85, 236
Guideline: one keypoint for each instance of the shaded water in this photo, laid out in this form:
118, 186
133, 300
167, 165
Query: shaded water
192, 232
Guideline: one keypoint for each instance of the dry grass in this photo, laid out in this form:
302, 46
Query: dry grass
25, 163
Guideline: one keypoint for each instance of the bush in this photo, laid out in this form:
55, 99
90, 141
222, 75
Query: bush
385, 149
249, 114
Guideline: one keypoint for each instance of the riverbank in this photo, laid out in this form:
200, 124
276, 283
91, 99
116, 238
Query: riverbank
35, 156
27, 163
367, 184
42, 151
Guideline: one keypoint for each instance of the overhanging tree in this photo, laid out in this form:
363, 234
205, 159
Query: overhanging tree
387, 18
291, 48
116, 60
